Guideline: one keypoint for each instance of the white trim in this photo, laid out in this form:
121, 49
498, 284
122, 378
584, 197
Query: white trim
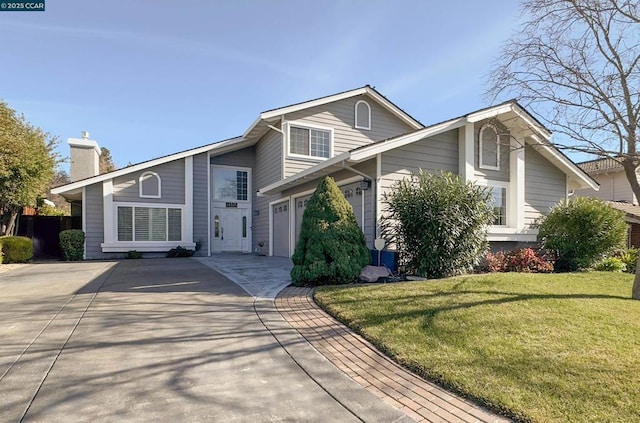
140, 179
511, 234
84, 221
517, 165
481, 165
466, 150
144, 246
377, 212
283, 148
187, 218
305, 125
109, 223
490, 113
359, 102
209, 239
220, 145
490, 183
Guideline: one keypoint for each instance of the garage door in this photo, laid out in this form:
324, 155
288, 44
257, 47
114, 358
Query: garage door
354, 195
281, 229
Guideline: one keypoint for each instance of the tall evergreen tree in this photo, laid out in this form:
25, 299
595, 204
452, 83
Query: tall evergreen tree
332, 248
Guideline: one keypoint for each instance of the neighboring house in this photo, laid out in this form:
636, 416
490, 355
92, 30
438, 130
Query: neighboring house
237, 194
616, 190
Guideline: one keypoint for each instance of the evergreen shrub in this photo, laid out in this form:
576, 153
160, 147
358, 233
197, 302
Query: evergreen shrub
72, 244
332, 248
16, 249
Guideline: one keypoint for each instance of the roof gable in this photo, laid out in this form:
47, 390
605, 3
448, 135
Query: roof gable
269, 117
220, 146
540, 136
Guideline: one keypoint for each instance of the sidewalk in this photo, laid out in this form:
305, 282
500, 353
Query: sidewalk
419, 399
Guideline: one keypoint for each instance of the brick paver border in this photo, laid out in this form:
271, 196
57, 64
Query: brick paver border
360, 360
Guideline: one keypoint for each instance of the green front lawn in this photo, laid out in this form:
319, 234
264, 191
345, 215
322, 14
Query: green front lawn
555, 347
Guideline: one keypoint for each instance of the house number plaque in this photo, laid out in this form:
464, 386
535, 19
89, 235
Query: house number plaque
231, 205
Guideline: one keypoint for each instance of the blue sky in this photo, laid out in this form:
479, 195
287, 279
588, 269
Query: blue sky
148, 78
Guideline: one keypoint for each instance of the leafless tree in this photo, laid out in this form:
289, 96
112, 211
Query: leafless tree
576, 64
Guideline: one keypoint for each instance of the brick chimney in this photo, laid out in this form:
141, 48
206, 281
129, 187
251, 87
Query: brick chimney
85, 157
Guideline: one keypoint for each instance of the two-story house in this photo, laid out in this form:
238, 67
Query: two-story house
251, 191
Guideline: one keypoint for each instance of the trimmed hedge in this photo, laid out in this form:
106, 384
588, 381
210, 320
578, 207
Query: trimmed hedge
16, 249
72, 244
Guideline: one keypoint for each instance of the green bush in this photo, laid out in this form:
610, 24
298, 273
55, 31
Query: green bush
331, 248
72, 244
582, 231
628, 256
180, 252
16, 249
438, 223
133, 255
611, 264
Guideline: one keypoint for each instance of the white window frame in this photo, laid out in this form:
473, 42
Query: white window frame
213, 168
148, 246
309, 127
480, 158
358, 103
144, 176
499, 184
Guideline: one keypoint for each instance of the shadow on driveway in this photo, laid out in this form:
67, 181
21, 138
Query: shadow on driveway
152, 340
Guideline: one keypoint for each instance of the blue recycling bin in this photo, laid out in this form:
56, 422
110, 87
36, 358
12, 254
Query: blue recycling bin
389, 259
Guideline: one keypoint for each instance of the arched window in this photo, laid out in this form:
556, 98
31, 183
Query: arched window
489, 148
358, 191
150, 185
348, 193
363, 115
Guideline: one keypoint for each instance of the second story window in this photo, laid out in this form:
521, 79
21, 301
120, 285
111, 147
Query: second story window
309, 142
489, 148
150, 186
363, 115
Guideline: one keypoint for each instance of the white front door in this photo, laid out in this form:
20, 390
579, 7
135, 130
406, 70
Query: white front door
230, 230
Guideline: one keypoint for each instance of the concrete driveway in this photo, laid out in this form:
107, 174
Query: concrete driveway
145, 340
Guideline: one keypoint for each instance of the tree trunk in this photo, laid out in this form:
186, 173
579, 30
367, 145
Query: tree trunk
635, 291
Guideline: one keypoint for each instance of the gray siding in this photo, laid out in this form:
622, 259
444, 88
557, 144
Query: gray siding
94, 217
200, 203
125, 188
340, 116
545, 185
240, 158
496, 175
267, 170
613, 187
432, 154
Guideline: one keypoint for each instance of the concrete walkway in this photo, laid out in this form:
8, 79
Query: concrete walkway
259, 276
